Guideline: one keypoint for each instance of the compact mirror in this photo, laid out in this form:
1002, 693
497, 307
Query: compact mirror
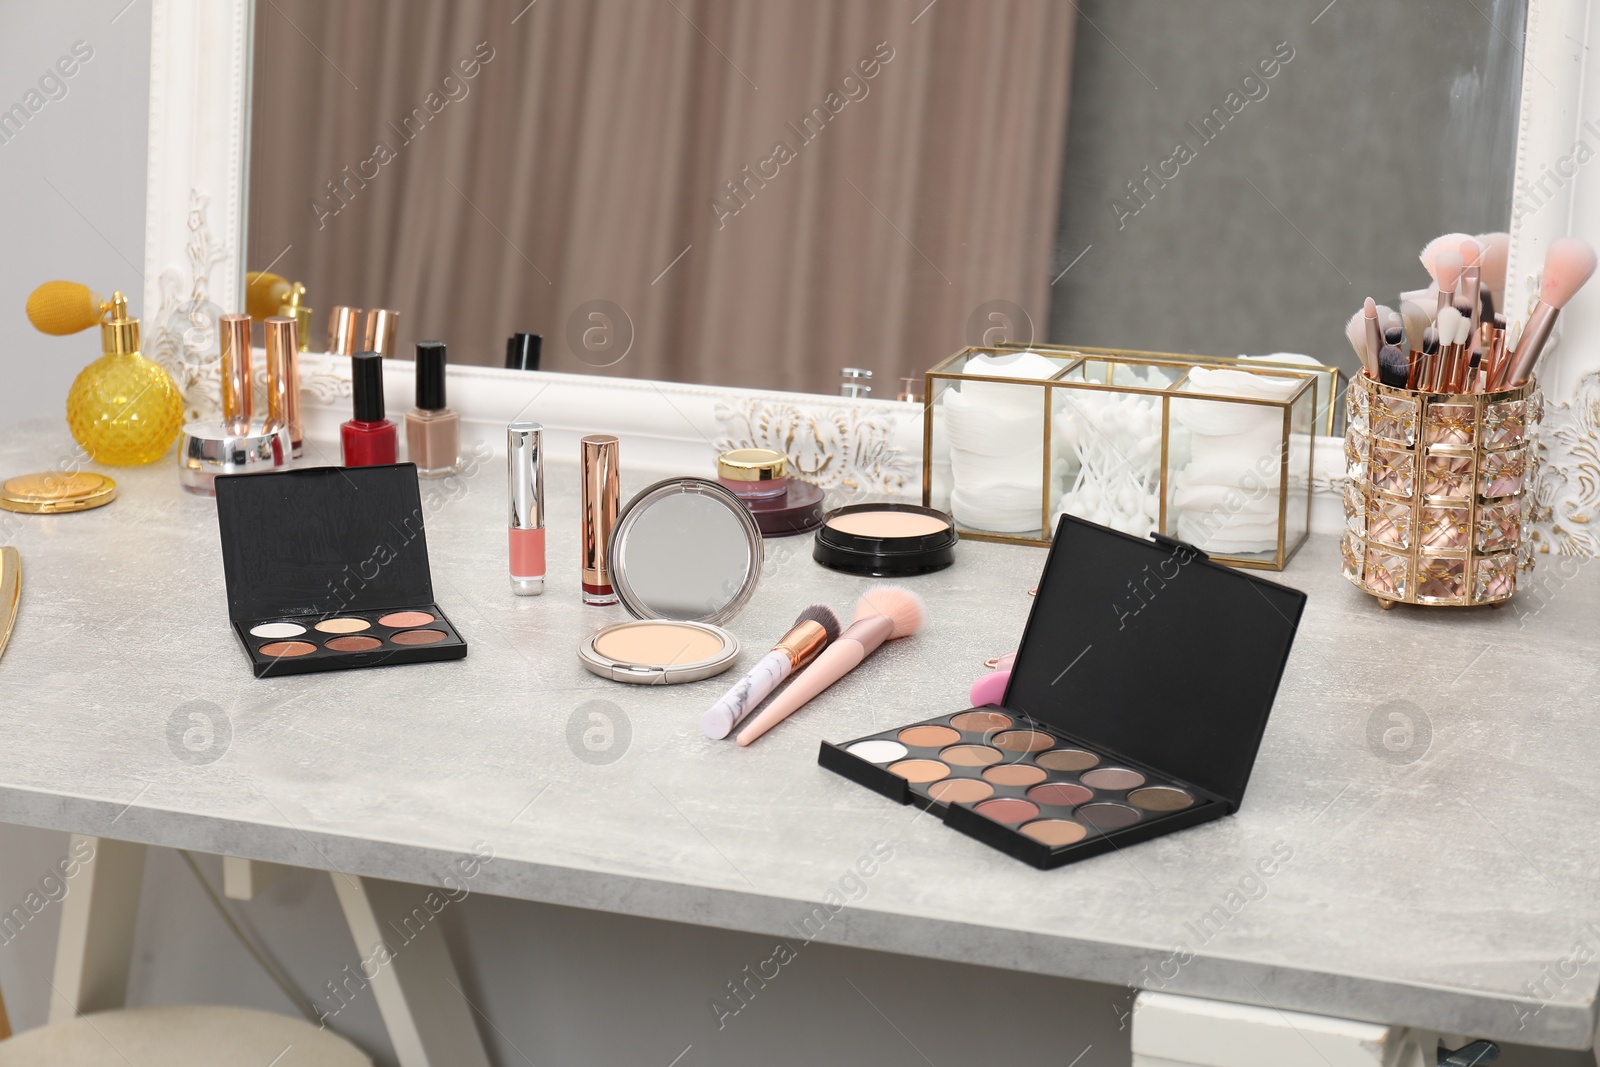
685, 549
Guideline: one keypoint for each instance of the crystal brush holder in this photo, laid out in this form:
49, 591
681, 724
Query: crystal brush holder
1436, 507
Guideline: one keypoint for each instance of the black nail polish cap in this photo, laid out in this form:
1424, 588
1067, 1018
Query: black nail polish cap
522, 351
366, 385
430, 375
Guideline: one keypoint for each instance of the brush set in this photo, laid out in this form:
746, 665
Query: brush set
1454, 337
1438, 448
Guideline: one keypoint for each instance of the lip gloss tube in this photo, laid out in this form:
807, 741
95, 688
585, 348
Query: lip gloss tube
236, 400
601, 492
525, 473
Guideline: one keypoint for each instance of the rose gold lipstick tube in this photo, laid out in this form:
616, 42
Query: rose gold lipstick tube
343, 325
236, 373
283, 379
383, 326
601, 493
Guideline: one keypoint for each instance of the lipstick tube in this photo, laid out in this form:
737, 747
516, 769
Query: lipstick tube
525, 492
601, 493
236, 409
383, 326
283, 379
343, 325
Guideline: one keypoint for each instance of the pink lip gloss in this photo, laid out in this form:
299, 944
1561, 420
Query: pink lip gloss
525, 473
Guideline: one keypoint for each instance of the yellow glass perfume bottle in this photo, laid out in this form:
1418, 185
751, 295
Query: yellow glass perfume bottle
123, 408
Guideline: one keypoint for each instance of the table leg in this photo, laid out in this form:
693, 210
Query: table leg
244, 879
405, 960
1177, 1031
95, 945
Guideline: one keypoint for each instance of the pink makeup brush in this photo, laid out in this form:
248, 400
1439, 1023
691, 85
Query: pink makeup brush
1366, 337
1447, 266
1567, 265
1492, 263
1444, 242
882, 615
1470, 283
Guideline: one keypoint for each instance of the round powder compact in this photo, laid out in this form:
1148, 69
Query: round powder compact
886, 540
55, 493
659, 651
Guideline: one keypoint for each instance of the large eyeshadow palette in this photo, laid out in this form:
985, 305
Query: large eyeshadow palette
327, 569
1052, 790
1091, 749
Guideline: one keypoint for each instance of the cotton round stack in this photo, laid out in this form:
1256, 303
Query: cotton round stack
996, 441
1226, 498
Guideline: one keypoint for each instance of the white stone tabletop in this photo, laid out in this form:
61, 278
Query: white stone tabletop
1418, 844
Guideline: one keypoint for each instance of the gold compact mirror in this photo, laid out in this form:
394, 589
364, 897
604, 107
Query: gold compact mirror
54, 492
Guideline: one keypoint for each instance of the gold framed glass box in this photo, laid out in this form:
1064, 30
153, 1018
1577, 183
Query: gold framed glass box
1215, 453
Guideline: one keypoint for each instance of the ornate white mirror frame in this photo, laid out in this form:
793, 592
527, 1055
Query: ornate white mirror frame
195, 230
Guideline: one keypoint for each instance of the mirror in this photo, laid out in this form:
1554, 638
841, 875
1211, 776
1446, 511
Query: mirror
685, 549
767, 195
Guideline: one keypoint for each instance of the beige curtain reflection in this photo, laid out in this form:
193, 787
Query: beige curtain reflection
594, 153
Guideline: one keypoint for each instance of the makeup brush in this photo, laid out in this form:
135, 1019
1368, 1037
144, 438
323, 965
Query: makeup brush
1444, 242
881, 615
1447, 268
1469, 287
1458, 377
1355, 331
1419, 366
815, 629
1569, 263
1416, 316
1492, 264
1433, 377
1371, 338
1393, 368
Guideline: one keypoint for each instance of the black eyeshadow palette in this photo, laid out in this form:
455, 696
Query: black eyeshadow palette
1136, 705
327, 569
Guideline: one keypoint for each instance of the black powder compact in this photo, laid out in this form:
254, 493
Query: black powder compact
327, 569
1136, 705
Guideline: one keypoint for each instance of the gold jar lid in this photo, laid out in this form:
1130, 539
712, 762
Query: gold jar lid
52, 492
752, 465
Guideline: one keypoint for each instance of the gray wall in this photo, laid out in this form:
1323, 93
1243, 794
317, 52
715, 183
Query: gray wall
1392, 124
72, 181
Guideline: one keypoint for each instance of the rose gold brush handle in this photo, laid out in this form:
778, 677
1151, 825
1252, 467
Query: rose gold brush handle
836, 661
1519, 365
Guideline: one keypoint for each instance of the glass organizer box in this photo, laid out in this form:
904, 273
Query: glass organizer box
1217, 453
1435, 505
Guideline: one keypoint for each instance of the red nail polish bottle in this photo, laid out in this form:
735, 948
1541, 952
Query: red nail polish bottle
368, 439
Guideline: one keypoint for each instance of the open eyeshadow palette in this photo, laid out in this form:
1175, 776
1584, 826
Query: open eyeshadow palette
327, 569
1136, 705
